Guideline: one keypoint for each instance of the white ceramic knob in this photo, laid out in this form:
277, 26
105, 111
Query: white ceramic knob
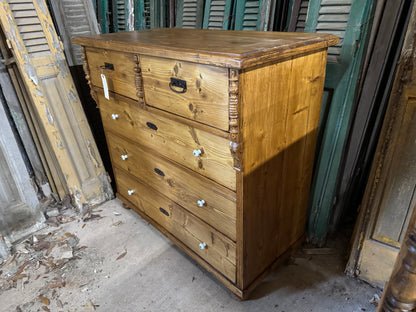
114, 116
130, 192
197, 152
201, 203
124, 157
203, 245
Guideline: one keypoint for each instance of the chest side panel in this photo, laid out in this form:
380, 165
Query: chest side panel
280, 115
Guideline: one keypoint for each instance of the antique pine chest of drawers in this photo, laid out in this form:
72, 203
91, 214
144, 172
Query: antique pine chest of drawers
212, 137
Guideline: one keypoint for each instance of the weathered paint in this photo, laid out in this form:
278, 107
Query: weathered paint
63, 118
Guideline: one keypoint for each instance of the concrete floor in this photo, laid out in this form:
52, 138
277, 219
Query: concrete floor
154, 275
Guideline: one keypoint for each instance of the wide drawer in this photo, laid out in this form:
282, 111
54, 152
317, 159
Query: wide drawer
205, 98
172, 139
202, 239
118, 68
211, 202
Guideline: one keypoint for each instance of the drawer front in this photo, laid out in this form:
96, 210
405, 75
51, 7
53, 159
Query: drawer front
172, 139
207, 200
217, 249
205, 98
118, 68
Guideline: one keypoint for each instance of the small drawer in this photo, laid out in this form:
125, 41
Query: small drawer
198, 150
209, 201
195, 91
118, 68
202, 239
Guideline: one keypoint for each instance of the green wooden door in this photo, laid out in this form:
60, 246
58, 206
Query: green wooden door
217, 14
349, 20
120, 15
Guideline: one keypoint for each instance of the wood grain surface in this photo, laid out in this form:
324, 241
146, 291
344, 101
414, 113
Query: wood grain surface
180, 184
279, 135
172, 139
205, 99
121, 79
237, 49
219, 252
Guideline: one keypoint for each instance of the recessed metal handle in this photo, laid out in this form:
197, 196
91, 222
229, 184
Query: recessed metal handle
203, 246
114, 116
108, 66
201, 203
130, 192
151, 126
124, 157
177, 83
164, 211
159, 172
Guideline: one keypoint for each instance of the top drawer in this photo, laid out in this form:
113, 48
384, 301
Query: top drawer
118, 68
204, 99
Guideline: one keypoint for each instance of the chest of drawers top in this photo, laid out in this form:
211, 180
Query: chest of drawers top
232, 49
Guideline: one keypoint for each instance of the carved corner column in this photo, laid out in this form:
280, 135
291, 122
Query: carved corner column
87, 73
138, 79
400, 292
233, 107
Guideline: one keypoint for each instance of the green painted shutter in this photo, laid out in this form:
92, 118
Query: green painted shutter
189, 13
149, 14
253, 14
120, 15
217, 14
349, 20
102, 15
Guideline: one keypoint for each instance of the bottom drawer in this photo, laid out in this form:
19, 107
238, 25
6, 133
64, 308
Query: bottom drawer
205, 241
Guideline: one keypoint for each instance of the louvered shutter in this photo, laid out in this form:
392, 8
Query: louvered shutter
348, 20
120, 15
333, 19
74, 18
299, 15
189, 13
55, 103
253, 14
217, 14
149, 14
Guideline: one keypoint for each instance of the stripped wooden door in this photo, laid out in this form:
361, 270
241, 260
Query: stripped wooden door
20, 212
350, 21
390, 195
74, 18
39, 56
189, 13
217, 14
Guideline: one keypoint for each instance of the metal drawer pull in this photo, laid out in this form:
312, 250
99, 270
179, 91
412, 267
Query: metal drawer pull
130, 192
197, 152
203, 245
114, 116
124, 157
177, 83
108, 66
159, 172
164, 211
151, 126
201, 203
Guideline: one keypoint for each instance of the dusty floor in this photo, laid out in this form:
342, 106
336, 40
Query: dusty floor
129, 266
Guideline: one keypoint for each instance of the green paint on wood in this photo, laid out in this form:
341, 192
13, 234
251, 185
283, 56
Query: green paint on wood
342, 74
217, 14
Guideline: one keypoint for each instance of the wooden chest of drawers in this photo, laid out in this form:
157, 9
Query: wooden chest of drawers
212, 137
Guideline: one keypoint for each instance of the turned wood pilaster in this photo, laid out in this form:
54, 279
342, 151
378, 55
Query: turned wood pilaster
400, 292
